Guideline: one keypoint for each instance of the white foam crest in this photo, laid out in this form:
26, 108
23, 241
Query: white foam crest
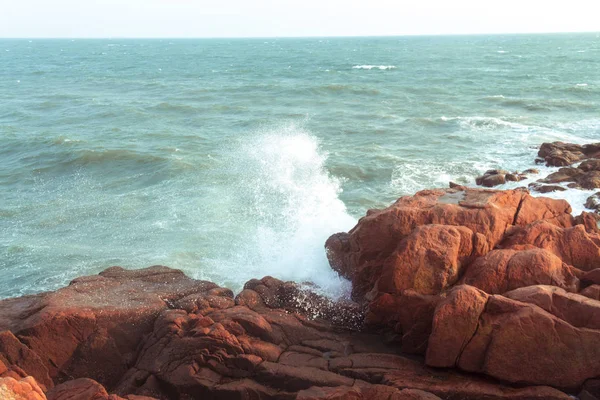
291, 207
369, 67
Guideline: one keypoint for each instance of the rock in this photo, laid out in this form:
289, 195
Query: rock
545, 188
590, 180
410, 315
593, 292
532, 171
559, 154
573, 308
593, 202
22, 389
521, 343
575, 246
502, 270
591, 390
516, 177
591, 277
455, 321
110, 314
590, 165
375, 241
430, 259
491, 180
78, 389
566, 174
13, 354
367, 392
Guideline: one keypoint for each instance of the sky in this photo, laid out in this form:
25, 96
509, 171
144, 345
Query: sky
281, 18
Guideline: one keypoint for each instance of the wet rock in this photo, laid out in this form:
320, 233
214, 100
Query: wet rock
545, 188
593, 202
376, 245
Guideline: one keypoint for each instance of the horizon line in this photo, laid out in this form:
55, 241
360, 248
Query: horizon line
295, 37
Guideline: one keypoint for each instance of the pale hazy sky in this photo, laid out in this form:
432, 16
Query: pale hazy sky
262, 18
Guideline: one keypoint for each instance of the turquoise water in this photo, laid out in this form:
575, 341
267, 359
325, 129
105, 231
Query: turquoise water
234, 159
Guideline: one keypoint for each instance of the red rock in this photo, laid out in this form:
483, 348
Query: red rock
367, 392
575, 309
455, 321
522, 343
430, 259
361, 253
22, 389
502, 270
13, 354
93, 326
400, 372
593, 292
591, 277
409, 314
78, 389
575, 246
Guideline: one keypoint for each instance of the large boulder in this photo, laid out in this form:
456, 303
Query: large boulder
92, 327
559, 154
514, 341
375, 245
502, 270
575, 246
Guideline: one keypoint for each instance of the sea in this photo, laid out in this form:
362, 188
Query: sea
234, 159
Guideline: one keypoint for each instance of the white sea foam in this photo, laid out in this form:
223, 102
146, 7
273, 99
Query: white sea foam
288, 206
369, 67
581, 84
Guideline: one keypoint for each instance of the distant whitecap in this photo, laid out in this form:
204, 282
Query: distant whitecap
369, 67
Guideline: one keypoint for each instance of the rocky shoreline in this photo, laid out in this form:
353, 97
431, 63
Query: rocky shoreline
457, 293
579, 169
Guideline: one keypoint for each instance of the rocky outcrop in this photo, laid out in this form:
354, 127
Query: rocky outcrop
371, 254
560, 154
457, 294
496, 177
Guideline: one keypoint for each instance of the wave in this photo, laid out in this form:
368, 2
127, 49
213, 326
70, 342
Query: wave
285, 205
369, 67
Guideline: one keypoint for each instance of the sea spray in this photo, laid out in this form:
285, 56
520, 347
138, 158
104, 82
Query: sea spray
286, 205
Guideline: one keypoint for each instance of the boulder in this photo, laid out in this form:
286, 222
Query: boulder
20, 389
575, 245
516, 342
537, 187
375, 244
593, 292
559, 154
593, 202
502, 270
92, 327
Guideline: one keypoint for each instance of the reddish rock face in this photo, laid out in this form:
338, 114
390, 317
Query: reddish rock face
110, 313
575, 246
559, 154
20, 389
381, 242
502, 270
518, 342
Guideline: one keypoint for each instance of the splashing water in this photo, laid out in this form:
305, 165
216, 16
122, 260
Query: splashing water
286, 205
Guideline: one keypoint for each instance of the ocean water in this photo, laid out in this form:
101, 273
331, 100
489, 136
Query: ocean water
236, 159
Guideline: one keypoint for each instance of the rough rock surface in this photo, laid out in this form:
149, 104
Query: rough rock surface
20, 389
379, 240
560, 154
457, 294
